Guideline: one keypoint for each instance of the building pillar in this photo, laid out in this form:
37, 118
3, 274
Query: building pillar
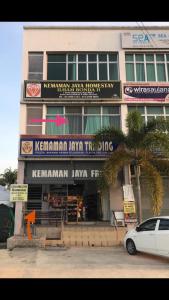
18, 230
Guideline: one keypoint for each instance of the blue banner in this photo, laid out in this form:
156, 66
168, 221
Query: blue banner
64, 147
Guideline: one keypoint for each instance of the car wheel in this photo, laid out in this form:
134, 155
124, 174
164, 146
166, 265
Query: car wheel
131, 248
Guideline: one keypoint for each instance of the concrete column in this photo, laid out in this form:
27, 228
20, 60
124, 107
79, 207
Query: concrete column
44, 65
44, 112
124, 112
127, 174
19, 205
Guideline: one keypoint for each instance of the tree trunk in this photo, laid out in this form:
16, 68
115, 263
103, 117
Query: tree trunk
139, 208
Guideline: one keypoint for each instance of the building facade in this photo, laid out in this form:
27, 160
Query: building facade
75, 81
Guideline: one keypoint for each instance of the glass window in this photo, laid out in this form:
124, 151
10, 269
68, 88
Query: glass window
112, 57
138, 108
72, 57
164, 224
82, 72
130, 72
113, 72
74, 125
81, 57
139, 57
150, 118
82, 66
111, 121
160, 57
71, 71
92, 71
154, 110
56, 71
167, 109
53, 110
92, 124
51, 128
161, 72
36, 63
148, 225
129, 57
73, 110
110, 110
56, 57
92, 57
102, 71
102, 57
35, 68
150, 72
32, 129
34, 112
168, 70
92, 110
35, 76
140, 75
154, 70
149, 57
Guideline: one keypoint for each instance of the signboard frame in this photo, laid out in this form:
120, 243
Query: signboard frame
72, 90
19, 192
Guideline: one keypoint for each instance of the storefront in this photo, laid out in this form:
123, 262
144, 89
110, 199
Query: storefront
70, 185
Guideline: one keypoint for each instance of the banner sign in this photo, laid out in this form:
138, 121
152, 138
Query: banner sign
129, 204
62, 172
18, 192
129, 207
139, 39
146, 92
129, 212
73, 89
64, 147
128, 192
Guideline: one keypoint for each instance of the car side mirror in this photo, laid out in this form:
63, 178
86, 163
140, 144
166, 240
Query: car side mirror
137, 228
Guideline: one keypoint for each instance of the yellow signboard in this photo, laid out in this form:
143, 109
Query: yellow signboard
19, 192
129, 207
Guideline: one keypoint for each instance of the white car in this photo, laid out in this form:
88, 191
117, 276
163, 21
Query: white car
151, 236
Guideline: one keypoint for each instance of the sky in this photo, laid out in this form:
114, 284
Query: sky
11, 35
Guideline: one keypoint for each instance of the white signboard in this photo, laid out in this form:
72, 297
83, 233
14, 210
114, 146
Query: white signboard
139, 39
19, 192
128, 192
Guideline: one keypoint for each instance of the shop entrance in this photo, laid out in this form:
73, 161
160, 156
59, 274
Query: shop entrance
80, 201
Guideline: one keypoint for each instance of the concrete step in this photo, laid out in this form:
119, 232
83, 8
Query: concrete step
53, 243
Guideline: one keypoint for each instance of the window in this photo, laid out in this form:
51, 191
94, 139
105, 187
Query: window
83, 66
82, 120
164, 224
147, 67
34, 112
150, 112
74, 116
35, 66
148, 225
51, 128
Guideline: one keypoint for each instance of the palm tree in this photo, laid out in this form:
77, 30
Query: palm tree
9, 177
146, 146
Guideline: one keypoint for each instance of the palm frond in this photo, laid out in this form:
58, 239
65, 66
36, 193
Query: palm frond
155, 185
162, 165
161, 124
109, 134
134, 121
157, 142
114, 164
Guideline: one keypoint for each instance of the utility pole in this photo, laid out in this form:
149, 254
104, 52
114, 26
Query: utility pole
139, 208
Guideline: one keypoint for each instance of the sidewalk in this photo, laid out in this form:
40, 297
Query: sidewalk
79, 262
